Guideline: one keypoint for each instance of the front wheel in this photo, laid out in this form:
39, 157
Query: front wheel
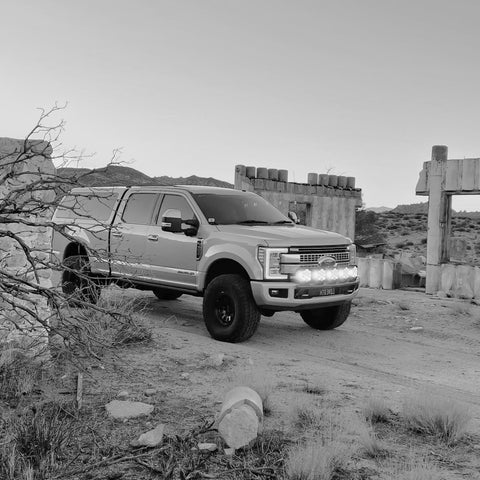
229, 310
326, 318
76, 282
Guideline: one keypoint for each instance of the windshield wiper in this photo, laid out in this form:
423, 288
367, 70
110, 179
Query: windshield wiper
262, 222
281, 222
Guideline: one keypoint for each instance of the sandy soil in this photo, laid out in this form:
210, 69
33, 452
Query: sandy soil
380, 351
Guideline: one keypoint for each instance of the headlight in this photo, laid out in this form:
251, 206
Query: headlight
270, 261
353, 254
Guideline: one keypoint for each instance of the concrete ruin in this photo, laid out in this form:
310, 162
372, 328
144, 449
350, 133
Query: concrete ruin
327, 202
24, 247
440, 179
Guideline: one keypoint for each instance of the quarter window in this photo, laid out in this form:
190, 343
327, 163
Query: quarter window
139, 208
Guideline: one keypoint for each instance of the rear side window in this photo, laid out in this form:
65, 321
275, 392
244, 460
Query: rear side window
93, 205
139, 208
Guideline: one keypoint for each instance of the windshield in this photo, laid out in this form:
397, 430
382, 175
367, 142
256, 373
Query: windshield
246, 209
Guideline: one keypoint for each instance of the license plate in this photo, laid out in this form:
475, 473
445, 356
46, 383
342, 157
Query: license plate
322, 292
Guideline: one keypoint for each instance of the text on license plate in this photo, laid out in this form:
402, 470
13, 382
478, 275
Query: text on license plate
326, 291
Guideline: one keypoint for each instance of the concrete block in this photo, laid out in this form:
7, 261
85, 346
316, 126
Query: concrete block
283, 175
323, 179
270, 185
250, 172
342, 182
262, 172
312, 179
272, 174
333, 180
350, 182
259, 184
241, 170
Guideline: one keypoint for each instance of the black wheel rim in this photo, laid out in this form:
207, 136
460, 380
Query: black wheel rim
224, 309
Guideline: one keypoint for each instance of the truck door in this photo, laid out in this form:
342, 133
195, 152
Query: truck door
128, 235
172, 256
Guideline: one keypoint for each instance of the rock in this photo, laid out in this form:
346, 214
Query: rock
229, 451
207, 447
416, 329
152, 438
150, 391
123, 395
216, 360
185, 375
124, 409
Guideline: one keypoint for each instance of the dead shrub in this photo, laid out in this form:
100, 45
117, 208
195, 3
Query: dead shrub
305, 414
430, 414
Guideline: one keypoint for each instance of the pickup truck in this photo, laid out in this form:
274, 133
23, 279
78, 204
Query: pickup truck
231, 247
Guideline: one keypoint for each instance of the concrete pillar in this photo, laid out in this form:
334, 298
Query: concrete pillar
262, 173
251, 172
439, 208
240, 173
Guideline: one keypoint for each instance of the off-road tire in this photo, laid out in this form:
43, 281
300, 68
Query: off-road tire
76, 282
166, 294
326, 318
229, 310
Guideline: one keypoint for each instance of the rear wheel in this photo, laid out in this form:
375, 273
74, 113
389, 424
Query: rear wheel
229, 310
326, 318
76, 282
166, 294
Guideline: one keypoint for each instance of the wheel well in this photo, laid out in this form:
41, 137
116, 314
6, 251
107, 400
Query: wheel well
74, 249
221, 267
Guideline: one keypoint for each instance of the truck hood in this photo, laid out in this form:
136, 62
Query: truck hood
285, 236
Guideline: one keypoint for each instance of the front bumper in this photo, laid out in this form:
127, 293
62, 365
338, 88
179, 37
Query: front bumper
301, 297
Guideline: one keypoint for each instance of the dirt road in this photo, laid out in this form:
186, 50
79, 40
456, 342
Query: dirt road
394, 342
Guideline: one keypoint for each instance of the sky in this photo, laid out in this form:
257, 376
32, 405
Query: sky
361, 88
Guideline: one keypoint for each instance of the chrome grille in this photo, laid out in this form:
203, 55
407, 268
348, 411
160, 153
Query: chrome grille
340, 257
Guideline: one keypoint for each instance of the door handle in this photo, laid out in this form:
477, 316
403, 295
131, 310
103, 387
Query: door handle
153, 238
117, 234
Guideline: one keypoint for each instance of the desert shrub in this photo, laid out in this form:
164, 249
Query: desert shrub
400, 245
423, 241
376, 410
409, 243
371, 446
430, 414
36, 440
18, 373
315, 461
305, 414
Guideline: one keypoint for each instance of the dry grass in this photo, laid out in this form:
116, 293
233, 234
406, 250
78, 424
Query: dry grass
33, 443
313, 460
428, 414
371, 446
376, 411
114, 321
305, 414
18, 373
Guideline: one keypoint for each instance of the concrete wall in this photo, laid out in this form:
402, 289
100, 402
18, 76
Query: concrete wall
23, 168
379, 273
333, 200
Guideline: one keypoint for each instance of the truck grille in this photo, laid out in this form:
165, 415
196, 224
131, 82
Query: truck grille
339, 257
340, 253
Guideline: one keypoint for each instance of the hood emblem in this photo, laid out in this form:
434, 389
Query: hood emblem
327, 262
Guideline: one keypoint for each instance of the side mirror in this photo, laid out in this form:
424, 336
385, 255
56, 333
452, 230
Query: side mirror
192, 229
172, 221
293, 217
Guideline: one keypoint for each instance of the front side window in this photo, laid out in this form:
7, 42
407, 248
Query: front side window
246, 208
175, 202
139, 208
